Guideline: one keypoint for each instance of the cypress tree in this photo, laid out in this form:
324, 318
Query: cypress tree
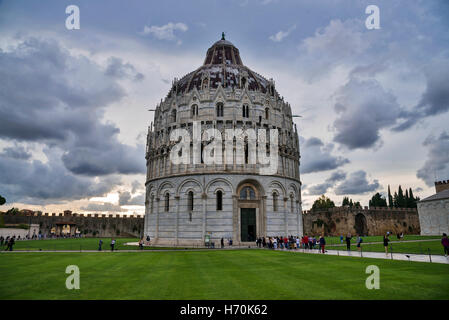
390, 198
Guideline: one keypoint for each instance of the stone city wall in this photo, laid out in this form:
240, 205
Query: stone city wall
90, 225
365, 221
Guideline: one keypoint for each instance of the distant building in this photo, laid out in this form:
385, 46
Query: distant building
434, 211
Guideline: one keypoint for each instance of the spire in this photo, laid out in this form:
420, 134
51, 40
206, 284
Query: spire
223, 36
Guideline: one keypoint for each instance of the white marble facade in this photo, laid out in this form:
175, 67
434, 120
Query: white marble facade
181, 200
434, 217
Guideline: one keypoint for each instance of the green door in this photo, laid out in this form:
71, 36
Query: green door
248, 224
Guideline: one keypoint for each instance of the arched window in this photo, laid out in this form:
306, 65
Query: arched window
243, 82
190, 201
292, 203
152, 203
205, 83
275, 201
167, 202
173, 114
219, 109
194, 110
219, 200
246, 151
247, 193
267, 113
245, 111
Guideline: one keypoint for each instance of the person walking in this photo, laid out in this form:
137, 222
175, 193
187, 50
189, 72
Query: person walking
386, 240
141, 244
359, 243
322, 243
341, 238
100, 243
112, 244
348, 242
222, 243
445, 243
11, 243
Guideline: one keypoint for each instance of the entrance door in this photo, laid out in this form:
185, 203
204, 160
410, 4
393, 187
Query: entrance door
248, 224
360, 225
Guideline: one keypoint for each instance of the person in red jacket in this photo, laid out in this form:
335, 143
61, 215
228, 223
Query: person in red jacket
306, 242
445, 243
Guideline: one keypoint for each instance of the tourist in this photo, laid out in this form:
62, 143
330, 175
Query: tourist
112, 244
286, 242
348, 242
100, 243
297, 243
141, 244
275, 243
306, 242
341, 238
1, 241
314, 242
445, 243
222, 243
359, 242
386, 240
10, 244
322, 243
264, 242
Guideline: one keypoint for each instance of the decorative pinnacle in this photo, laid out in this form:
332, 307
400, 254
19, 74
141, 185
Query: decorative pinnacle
223, 36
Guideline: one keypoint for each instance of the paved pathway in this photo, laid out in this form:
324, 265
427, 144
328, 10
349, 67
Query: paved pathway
379, 255
381, 242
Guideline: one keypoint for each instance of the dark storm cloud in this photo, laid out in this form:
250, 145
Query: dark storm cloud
357, 183
316, 156
16, 152
117, 69
125, 199
329, 183
434, 100
106, 206
436, 166
37, 182
56, 98
363, 108
136, 185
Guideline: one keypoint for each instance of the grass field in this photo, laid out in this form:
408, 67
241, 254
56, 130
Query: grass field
230, 274
77, 244
435, 247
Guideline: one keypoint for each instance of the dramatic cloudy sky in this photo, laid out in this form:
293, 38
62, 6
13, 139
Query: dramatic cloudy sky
73, 103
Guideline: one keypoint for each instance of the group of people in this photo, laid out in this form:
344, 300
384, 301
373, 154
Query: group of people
8, 242
112, 244
291, 242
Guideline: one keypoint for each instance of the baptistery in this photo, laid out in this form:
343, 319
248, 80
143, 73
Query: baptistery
222, 157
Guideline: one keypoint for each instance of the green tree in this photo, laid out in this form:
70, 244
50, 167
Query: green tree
390, 198
378, 201
323, 203
2, 200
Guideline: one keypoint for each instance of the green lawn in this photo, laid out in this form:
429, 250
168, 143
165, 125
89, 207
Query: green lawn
72, 244
401, 247
77, 244
230, 274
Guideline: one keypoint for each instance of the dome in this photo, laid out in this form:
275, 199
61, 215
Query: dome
223, 66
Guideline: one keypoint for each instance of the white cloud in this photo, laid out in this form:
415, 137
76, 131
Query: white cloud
278, 37
167, 31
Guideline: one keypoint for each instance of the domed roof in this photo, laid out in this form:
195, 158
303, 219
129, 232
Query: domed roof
224, 66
